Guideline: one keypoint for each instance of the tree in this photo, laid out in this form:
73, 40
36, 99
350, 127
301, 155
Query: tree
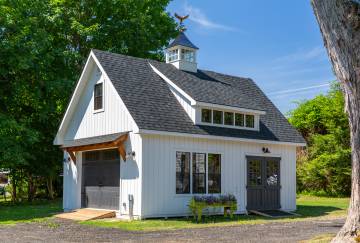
43, 47
325, 166
339, 22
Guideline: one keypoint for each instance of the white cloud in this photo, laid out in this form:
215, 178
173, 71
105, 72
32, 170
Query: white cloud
297, 90
307, 55
199, 17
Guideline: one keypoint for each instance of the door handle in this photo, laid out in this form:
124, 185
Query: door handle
100, 185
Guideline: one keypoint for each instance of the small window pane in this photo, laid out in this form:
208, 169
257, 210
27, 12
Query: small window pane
250, 121
217, 117
98, 96
214, 173
187, 55
239, 119
173, 55
206, 115
229, 118
272, 171
199, 173
182, 172
255, 173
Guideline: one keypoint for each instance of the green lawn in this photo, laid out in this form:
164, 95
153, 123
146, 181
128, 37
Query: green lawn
27, 212
309, 207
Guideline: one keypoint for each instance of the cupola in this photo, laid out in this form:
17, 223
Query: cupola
182, 52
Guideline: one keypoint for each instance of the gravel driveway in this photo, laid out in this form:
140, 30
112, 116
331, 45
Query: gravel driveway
60, 230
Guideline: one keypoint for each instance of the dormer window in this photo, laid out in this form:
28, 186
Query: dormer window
250, 121
206, 115
187, 55
239, 120
98, 97
173, 55
217, 117
230, 119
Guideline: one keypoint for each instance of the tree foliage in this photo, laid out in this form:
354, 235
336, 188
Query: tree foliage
43, 46
326, 164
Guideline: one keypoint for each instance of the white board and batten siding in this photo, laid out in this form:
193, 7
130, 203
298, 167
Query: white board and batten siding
114, 118
159, 173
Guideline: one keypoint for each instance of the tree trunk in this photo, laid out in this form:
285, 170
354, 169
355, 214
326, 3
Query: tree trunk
31, 188
13, 189
339, 22
49, 183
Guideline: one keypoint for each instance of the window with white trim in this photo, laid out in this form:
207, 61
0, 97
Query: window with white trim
98, 97
206, 115
250, 121
228, 118
173, 55
217, 117
182, 172
187, 55
198, 173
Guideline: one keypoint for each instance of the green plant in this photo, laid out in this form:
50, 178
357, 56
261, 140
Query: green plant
198, 203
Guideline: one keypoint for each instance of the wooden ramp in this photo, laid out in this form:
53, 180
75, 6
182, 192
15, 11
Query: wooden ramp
84, 214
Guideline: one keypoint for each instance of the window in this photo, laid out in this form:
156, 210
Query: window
206, 115
214, 174
239, 120
182, 172
229, 118
217, 117
173, 55
98, 96
250, 121
255, 173
187, 55
193, 176
199, 173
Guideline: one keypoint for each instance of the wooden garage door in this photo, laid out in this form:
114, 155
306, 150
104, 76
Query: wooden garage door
263, 183
101, 179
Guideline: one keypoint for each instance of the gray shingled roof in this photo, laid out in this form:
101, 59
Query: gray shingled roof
182, 40
153, 106
93, 140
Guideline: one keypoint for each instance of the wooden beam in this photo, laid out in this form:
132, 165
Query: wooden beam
122, 151
121, 139
92, 146
72, 156
105, 145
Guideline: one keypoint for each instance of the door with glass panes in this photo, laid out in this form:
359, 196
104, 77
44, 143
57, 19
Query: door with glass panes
263, 183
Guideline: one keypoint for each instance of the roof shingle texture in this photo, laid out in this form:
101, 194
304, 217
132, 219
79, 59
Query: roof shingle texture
154, 107
92, 140
182, 40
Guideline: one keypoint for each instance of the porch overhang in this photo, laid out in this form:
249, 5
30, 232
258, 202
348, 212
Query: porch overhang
115, 140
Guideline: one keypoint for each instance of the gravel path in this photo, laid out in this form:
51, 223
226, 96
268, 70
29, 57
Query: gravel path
60, 230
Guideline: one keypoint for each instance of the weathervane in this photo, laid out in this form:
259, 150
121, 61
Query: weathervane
181, 19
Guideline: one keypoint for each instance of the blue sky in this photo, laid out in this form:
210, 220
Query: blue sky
276, 43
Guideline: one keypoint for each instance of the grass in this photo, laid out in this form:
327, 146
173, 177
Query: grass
36, 211
309, 207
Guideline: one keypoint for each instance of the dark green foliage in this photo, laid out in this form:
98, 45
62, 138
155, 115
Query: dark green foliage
43, 47
325, 167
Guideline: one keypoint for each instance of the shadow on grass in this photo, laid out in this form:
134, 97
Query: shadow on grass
12, 213
316, 211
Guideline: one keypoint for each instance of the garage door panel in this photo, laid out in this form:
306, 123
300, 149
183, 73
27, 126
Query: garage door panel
101, 179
